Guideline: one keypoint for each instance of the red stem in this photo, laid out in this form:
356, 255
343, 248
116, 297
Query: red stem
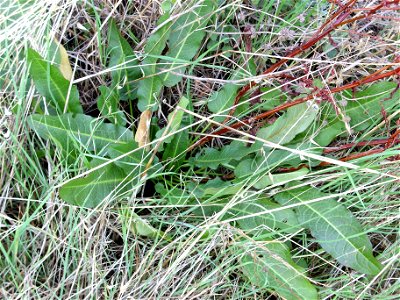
362, 144
297, 51
284, 106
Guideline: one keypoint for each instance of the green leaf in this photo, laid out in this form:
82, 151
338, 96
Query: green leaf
364, 108
271, 97
285, 219
212, 158
329, 132
334, 227
79, 131
215, 188
174, 121
296, 120
108, 105
174, 196
185, 39
150, 86
260, 180
176, 149
124, 59
90, 191
271, 267
137, 225
220, 101
134, 163
51, 84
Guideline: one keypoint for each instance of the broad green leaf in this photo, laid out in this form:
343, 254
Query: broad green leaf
125, 62
174, 121
285, 219
176, 149
138, 225
212, 158
271, 97
175, 195
134, 163
266, 161
204, 199
100, 184
215, 188
334, 228
150, 86
79, 131
260, 178
363, 111
329, 132
107, 103
220, 101
271, 267
296, 120
212, 196
51, 84
185, 39
364, 108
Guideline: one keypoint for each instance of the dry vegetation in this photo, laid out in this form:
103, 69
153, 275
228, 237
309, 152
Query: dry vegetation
52, 250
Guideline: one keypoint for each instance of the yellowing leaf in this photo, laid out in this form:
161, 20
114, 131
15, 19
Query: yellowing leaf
65, 66
142, 136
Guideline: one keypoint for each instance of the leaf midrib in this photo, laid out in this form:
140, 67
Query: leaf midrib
42, 64
80, 133
334, 227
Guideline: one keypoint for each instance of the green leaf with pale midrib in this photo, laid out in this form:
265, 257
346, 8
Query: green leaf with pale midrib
261, 180
79, 131
212, 157
285, 219
134, 163
176, 148
90, 191
122, 55
271, 266
296, 120
334, 227
51, 84
174, 122
150, 86
368, 103
185, 40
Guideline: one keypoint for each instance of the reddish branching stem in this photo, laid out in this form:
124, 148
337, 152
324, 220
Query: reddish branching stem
379, 75
376, 142
334, 21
